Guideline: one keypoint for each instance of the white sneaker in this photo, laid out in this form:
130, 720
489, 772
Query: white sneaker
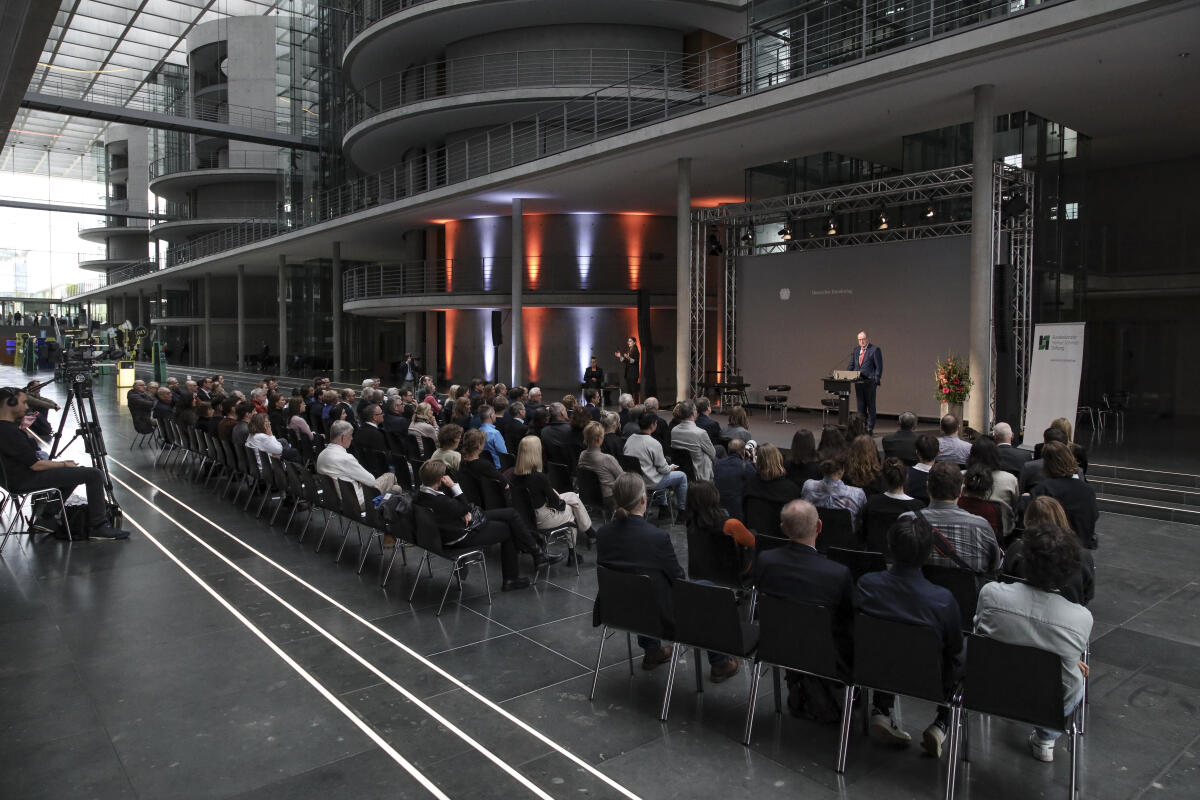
933, 739
886, 730
1040, 751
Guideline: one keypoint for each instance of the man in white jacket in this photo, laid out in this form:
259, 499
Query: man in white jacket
338, 464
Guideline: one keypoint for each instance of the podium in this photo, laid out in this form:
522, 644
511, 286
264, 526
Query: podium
839, 387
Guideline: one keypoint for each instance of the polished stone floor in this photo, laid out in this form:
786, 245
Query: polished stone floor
211, 655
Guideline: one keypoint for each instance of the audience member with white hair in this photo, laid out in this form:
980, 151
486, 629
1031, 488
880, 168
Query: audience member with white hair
336, 462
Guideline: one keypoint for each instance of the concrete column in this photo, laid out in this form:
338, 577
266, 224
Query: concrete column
414, 333
431, 345
683, 275
208, 318
518, 286
282, 314
241, 317
977, 409
336, 303
141, 318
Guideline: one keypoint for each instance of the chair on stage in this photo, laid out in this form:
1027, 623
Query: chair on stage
778, 399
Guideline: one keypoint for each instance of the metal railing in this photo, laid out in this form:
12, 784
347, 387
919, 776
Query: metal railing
817, 41
222, 159
495, 72
227, 209
75, 289
114, 222
545, 274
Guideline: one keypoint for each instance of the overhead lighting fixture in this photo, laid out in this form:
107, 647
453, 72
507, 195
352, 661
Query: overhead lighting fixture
831, 226
929, 212
881, 220
785, 233
748, 236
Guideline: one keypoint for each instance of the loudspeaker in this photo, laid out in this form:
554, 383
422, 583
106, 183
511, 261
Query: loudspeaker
1008, 398
497, 328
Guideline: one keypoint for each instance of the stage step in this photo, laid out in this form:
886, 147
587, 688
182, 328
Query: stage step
1153, 494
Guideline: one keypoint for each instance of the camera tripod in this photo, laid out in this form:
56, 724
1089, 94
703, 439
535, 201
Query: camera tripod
79, 390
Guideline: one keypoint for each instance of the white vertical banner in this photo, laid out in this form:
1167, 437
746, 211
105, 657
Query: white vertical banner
1054, 375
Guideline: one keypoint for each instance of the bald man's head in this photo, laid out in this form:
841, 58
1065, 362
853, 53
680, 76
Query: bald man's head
799, 522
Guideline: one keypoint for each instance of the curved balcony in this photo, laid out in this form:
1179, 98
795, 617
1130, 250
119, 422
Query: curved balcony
113, 226
378, 29
486, 283
174, 176
103, 265
188, 224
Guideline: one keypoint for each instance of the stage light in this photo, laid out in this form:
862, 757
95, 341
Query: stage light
714, 245
1013, 206
785, 233
881, 219
929, 212
748, 236
831, 226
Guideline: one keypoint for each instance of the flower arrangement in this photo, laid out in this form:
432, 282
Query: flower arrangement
953, 379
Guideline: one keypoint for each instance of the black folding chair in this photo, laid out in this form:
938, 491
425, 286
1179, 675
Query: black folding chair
963, 584
799, 637
429, 539
560, 476
860, 562
762, 516
18, 499
592, 494
1036, 699
143, 429
706, 617
684, 459
837, 529
559, 533
876, 524
715, 557
630, 464
625, 601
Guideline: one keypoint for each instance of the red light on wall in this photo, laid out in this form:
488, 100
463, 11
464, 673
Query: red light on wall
632, 235
451, 321
533, 255
534, 325
713, 202
451, 239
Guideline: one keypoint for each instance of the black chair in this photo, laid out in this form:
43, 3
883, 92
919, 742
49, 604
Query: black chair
507, 460
330, 501
837, 529
683, 458
779, 399
706, 617
144, 429
592, 494
963, 584
762, 515
18, 500
799, 637
559, 533
429, 539
860, 562
493, 494
625, 601
470, 487
630, 464
560, 476
713, 556
876, 524
1036, 699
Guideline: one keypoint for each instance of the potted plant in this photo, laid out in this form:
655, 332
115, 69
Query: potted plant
953, 384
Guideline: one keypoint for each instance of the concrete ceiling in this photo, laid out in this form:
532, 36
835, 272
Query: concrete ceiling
1120, 72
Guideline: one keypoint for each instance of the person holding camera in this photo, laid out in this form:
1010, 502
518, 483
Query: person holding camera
24, 472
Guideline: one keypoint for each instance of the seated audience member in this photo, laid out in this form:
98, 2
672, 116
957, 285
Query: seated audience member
976, 488
347, 400
336, 462
538, 422
918, 474
590, 398
369, 445
658, 474
275, 407
141, 402
460, 414
262, 439
856, 426
512, 426
423, 423
495, 440
799, 573
903, 594
663, 432
831, 492
1032, 471
706, 514
1012, 458
557, 437
1035, 614
739, 425
26, 472
959, 537
731, 475
459, 529
985, 452
903, 443
1077, 497
1063, 424
688, 436
625, 408
705, 422
448, 440
295, 418
770, 480
533, 401
580, 418
950, 447
833, 444
241, 429
205, 421
164, 411
594, 459
1080, 587
883, 509
802, 462
473, 464
614, 442
633, 425
550, 508
631, 544
862, 465
229, 419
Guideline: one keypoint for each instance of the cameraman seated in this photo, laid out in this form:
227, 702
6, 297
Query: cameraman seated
25, 473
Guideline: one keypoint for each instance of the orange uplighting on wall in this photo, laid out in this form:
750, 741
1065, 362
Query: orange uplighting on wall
534, 325
533, 254
713, 202
451, 320
632, 233
451, 238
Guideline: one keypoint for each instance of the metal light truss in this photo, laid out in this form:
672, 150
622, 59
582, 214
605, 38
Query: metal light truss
900, 190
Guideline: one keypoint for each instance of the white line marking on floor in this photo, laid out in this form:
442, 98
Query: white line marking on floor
334, 701
368, 665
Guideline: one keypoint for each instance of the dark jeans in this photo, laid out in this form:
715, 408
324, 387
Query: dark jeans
66, 479
495, 532
864, 394
521, 535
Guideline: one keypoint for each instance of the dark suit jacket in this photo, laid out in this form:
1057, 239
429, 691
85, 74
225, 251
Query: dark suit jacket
558, 441
448, 512
141, 404
397, 425
1078, 500
902, 445
634, 545
1031, 475
367, 446
1013, 458
709, 426
800, 573
872, 365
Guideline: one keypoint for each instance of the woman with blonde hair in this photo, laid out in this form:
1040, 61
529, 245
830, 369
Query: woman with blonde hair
423, 423
770, 482
550, 509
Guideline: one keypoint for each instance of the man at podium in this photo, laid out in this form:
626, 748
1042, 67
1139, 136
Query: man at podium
868, 360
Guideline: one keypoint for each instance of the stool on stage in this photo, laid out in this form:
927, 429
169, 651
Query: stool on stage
778, 400
733, 392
